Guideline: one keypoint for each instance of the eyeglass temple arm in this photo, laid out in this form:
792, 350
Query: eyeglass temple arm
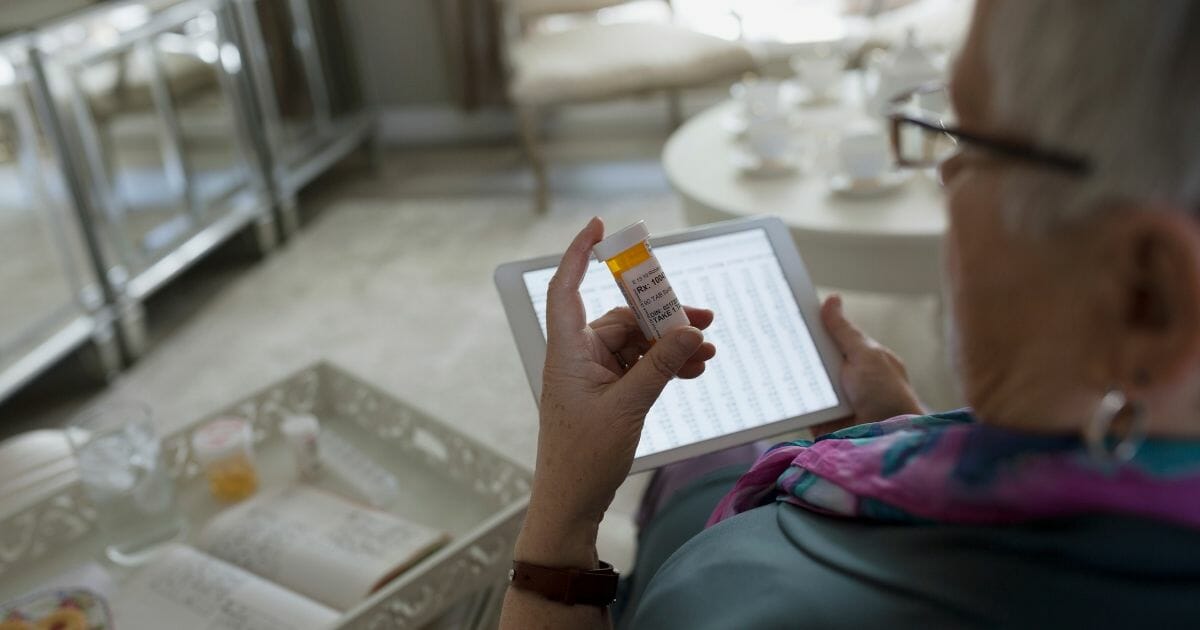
1014, 150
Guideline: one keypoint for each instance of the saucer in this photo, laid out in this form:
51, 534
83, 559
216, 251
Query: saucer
889, 182
803, 96
736, 123
751, 165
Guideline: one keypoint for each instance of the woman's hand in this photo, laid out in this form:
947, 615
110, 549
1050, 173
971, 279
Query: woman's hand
592, 409
873, 377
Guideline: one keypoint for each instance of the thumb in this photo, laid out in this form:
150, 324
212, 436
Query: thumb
847, 336
647, 378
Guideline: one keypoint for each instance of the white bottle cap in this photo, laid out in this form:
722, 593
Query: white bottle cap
301, 432
222, 438
299, 427
618, 242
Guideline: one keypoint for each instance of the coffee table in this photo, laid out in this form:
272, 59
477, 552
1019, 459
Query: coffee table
890, 243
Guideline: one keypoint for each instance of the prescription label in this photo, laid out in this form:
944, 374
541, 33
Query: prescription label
652, 299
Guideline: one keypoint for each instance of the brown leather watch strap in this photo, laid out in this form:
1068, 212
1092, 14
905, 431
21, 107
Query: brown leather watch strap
594, 587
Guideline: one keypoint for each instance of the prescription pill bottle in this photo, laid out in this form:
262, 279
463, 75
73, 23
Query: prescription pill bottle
642, 281
301, 431
224, 449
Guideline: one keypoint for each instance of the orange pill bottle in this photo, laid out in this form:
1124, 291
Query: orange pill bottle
642, 280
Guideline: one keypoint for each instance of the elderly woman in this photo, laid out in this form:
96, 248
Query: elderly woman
1069, 495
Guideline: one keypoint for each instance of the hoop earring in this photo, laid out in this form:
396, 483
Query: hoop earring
1096, 433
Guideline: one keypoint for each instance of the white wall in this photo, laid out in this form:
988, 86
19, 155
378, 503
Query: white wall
404, 69
21, 14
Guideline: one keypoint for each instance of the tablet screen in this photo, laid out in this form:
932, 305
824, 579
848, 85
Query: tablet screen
767, 368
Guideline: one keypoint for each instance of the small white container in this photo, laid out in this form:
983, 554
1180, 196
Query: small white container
301, 432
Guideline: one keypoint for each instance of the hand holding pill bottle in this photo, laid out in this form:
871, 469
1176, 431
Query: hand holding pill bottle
642, 280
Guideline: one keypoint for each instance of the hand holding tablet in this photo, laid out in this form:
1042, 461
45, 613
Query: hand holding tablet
773, 371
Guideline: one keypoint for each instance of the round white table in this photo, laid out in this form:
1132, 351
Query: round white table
890, 243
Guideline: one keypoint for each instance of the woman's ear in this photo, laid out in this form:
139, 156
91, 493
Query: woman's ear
1157, 255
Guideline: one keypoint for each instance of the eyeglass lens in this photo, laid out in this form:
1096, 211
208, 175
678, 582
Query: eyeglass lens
920, 146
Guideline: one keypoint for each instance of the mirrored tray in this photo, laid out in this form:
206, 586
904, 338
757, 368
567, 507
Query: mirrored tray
448, 481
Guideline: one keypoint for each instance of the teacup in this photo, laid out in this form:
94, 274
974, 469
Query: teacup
759, 98
864, 154
769, 137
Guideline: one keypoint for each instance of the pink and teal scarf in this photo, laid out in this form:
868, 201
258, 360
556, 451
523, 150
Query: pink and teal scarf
948, 468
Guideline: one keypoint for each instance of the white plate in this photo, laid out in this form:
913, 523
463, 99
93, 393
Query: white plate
889, 182
736, 124
800, 95
751, 165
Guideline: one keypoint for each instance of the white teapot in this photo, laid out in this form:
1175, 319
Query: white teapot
909, 67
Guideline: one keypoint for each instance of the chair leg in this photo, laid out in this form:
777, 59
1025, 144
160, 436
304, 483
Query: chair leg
675, 107
528, 118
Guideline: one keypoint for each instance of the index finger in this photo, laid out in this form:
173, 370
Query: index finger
564, 308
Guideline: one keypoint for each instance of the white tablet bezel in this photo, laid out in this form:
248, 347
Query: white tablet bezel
531, 344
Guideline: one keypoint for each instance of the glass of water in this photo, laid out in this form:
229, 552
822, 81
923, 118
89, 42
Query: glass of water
121, 468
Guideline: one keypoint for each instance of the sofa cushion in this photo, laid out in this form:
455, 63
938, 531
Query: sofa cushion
603, 61
530, 8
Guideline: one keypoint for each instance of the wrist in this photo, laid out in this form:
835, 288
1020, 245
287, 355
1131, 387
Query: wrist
550, 540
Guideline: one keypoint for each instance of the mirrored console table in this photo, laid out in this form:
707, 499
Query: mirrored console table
310, 103
157, 121
52, 301
137, 136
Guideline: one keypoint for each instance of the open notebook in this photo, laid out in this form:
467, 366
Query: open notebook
292, 559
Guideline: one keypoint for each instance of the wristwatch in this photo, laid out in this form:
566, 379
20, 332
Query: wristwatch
591, 587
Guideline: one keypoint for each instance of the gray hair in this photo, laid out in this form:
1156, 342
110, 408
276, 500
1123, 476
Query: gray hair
1117, 81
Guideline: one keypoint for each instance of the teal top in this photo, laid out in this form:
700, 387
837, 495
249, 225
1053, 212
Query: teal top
780, 566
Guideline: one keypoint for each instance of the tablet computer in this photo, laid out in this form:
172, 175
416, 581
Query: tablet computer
775, 369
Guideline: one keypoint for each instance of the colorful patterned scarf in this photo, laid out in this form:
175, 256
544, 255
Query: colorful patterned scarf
948, 468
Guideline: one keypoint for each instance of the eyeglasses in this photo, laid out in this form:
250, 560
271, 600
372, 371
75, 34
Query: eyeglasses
923, 135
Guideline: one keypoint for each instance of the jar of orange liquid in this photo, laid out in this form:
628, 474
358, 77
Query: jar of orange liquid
225, 449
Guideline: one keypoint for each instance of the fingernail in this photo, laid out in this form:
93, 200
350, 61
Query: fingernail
689, 338
836, 298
